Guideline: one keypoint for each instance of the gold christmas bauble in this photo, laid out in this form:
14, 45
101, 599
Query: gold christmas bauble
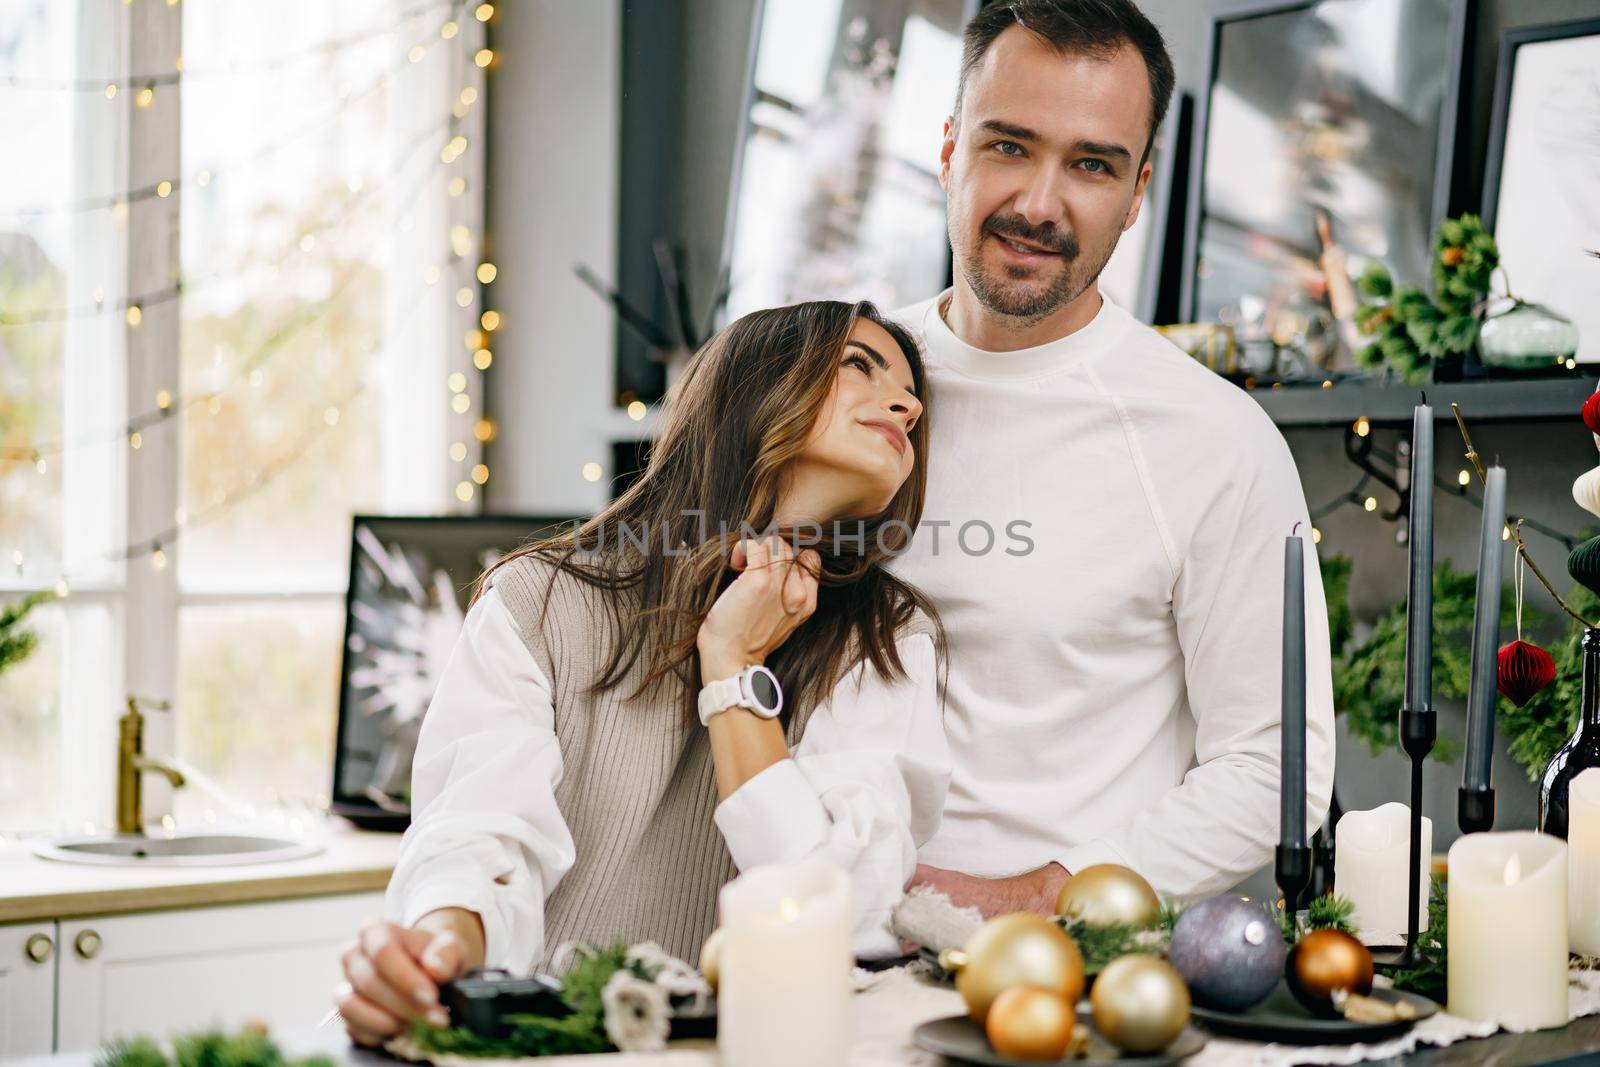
1013, 950
1323, 961
1108, 895
711, 957
1141, 1003
1030, 1024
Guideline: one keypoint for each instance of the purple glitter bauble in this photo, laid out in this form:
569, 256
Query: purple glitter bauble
1230, 951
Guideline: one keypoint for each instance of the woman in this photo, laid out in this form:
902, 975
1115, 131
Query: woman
606, 747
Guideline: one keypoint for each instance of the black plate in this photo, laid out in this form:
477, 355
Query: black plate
1284, 1019
959, 1038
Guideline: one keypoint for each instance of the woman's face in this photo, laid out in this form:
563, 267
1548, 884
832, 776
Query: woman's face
859, 452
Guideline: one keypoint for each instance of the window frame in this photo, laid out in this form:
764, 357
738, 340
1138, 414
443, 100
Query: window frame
131, 495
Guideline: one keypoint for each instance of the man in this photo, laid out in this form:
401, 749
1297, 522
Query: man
1114, 691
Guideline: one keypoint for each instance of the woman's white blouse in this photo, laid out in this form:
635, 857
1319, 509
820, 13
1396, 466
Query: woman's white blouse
866, 783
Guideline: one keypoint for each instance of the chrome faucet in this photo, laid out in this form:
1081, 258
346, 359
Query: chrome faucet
132, 764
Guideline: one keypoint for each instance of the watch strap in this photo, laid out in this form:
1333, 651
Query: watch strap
719, 696
739, 691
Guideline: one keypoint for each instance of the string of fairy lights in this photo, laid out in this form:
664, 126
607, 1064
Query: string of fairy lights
135, 307
1358, 495
462, 243
118, 202
323, 50
166, 406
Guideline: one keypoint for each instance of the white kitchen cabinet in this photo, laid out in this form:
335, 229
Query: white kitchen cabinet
193, 968
28, 953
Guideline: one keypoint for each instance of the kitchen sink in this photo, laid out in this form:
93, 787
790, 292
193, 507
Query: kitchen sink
178, 850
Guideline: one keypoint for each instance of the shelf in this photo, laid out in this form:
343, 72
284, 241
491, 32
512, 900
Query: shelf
1500, 400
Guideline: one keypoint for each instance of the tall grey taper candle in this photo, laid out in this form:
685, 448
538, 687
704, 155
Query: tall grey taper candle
1419, 601
1485, 634
1292, 821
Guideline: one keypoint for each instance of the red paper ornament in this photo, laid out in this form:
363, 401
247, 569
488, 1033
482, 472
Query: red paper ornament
1591, 413
1523, 670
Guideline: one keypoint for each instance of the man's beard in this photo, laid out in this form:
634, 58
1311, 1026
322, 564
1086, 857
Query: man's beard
1017, 294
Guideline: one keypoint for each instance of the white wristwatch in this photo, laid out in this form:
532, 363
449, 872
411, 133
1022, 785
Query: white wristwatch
755, 688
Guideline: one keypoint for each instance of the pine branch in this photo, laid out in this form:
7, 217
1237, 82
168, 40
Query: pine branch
1429, 979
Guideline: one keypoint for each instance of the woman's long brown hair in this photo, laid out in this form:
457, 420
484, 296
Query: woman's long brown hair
731, 427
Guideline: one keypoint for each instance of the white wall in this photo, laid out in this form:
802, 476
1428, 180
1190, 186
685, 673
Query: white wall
552, 194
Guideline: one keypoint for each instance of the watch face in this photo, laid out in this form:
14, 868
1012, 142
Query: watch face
765, 690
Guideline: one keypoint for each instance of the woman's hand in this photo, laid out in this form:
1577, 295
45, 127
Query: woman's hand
392, 974
775, 592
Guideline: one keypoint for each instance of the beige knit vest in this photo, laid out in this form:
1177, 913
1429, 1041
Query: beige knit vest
637, 789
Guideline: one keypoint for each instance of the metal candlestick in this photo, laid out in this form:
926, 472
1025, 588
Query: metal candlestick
1418, 731
1293, 871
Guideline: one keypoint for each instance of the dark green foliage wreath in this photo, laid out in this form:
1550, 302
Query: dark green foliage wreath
1369, 676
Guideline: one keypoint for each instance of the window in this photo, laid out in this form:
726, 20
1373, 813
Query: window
239, 301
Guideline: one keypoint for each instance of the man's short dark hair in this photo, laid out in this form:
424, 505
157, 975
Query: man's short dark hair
1093, 27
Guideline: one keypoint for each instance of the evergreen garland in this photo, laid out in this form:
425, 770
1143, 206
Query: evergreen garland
1412, 331
580, 1031
250, 1047
1099, 945
1369, 677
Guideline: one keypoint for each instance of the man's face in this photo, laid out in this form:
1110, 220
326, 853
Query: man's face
1041, 172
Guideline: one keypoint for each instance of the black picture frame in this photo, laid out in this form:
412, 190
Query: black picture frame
1500, 112
1511, 43
1449, 123
464, 534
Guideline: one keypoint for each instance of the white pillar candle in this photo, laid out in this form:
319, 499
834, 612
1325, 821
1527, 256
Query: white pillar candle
785, 969
1583, 857
1372, 869
1508, 929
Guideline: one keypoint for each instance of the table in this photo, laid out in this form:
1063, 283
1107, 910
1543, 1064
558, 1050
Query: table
887, 1012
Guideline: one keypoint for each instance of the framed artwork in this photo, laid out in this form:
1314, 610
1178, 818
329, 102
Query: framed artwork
410, 579
1324, 141
1541, 185
835, 191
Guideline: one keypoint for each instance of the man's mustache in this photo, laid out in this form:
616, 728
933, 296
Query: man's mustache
1017, 229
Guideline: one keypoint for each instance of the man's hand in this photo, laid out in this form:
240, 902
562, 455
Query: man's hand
1035, 891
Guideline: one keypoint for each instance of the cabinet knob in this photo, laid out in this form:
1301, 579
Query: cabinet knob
87, 943
39, 947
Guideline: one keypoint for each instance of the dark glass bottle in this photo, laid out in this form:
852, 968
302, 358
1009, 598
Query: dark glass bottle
1578, 754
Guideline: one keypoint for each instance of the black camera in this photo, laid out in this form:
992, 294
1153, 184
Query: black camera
481, 999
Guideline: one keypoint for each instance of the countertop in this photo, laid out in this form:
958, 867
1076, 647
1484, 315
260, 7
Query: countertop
33, 888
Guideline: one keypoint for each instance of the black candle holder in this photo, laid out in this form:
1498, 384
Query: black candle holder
1293, 871
1418, 731
1324, 846
1475, 809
